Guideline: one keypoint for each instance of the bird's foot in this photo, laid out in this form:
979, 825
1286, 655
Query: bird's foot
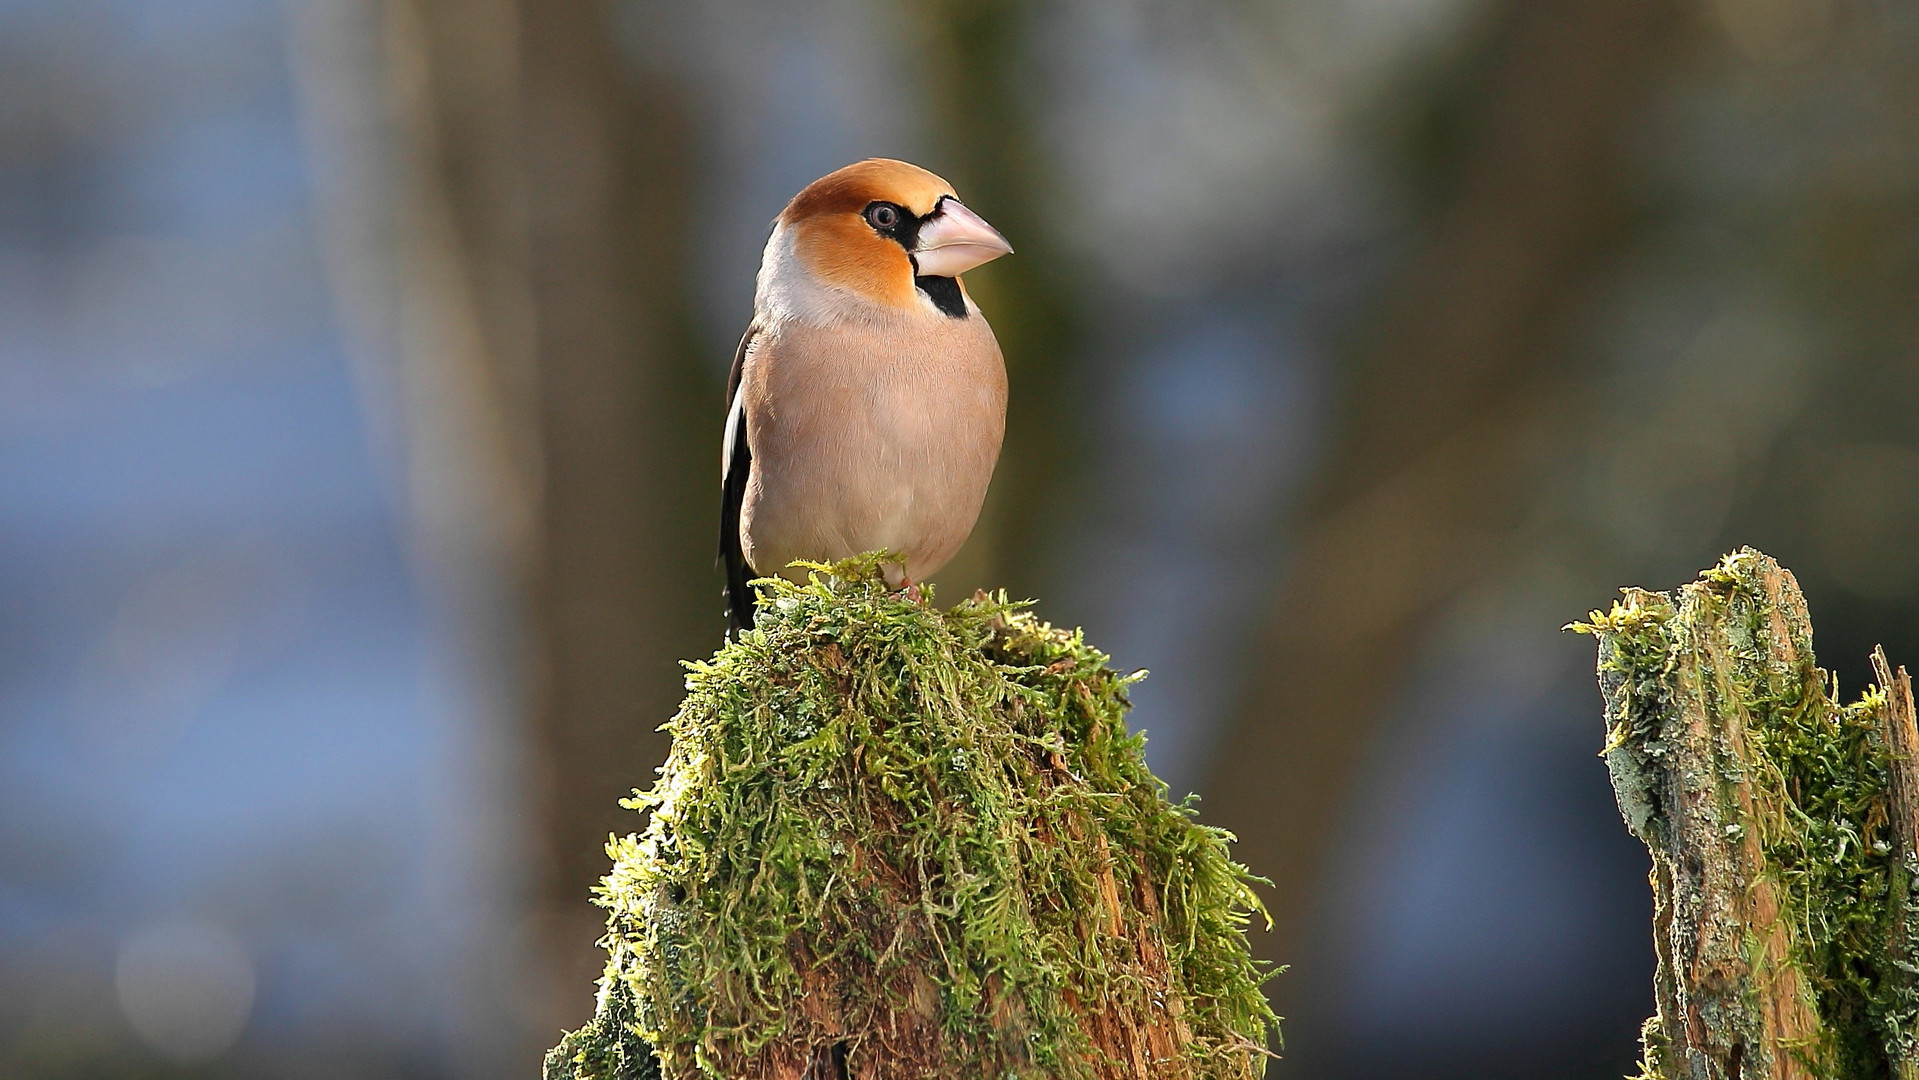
912, 592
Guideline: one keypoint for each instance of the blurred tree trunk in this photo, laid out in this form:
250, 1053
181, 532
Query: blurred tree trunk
630, 426
1451, 403
409, 127
502, 202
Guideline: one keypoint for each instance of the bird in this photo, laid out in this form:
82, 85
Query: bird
866, 402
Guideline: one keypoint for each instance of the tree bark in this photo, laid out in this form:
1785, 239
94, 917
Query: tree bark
1901, 730
1730, 998
1781, 828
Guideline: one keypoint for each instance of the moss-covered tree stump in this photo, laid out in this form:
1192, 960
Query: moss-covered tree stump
892, 841
1782, 829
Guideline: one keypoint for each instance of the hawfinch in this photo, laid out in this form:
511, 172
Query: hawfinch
868, 398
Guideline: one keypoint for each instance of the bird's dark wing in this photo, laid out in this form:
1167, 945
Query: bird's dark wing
735, 464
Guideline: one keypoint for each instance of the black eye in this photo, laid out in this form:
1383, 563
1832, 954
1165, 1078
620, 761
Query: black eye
883, 215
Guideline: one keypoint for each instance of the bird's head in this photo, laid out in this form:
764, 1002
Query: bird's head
888, 231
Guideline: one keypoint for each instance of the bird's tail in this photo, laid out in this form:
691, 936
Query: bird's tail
741, 602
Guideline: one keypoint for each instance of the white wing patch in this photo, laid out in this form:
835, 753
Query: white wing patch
735, 428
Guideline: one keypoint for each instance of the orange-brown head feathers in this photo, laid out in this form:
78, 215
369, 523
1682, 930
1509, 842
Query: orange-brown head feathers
849, 190
888, 231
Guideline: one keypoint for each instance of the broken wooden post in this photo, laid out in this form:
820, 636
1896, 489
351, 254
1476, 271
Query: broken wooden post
897, 842
1783, 827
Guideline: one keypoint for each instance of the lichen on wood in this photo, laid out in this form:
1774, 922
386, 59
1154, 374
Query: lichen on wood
894, 841
1782, 826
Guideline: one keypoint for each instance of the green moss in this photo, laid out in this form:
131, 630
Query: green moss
926, 836
1819, 777
609, 1047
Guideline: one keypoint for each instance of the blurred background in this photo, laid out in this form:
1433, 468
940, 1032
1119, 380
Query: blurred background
360, 365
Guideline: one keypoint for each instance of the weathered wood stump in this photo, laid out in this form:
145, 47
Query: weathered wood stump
1783, 827
895, 842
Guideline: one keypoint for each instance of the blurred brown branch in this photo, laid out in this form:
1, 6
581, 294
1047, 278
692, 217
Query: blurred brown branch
1442, 420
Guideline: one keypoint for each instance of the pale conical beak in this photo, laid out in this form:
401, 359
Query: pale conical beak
955, 240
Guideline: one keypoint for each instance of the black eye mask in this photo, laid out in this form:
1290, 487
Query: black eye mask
904, 230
